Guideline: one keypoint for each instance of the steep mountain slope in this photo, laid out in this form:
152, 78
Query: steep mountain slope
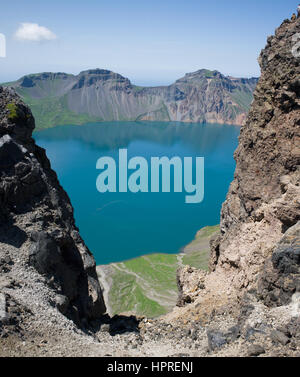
101, 95
264, 199
37, 226
255, 262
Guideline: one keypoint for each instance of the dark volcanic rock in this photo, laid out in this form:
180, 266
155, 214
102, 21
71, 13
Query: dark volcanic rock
279, 337
280, 278
36, 216
255, 350
216, 340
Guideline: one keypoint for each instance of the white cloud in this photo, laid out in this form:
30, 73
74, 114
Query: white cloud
34, 32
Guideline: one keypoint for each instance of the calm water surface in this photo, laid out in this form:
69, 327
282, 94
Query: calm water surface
120, 226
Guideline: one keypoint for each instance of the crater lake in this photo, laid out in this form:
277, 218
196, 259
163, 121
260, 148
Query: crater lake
120, 226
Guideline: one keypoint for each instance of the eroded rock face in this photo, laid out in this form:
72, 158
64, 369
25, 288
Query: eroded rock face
264, 199
37, 226
201, 96
280, 277
190, 282
254, 274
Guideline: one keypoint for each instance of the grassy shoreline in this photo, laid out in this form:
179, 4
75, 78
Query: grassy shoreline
147, 285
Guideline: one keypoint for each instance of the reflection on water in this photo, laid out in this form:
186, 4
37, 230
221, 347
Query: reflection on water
119, 226
111, 135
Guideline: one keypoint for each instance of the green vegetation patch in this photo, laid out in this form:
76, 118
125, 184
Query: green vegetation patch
137, 88
53, 111
209, 74
243, 98
198, 251
126, 295
147, 285
13, 111
198, 260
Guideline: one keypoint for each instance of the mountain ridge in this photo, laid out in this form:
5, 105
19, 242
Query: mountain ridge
95, 95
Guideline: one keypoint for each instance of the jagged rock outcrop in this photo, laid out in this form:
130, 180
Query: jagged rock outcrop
264, 199
37, 227
102, 95
279, 280
256, 255
190, 282
250, 300
254, 277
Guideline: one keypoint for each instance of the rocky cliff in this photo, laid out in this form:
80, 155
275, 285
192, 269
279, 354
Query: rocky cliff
255, 260
264, 199
102, 95
43, 260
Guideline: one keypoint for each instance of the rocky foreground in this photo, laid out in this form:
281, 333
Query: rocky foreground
249, 303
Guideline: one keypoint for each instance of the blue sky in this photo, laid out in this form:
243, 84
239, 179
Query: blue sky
152, 42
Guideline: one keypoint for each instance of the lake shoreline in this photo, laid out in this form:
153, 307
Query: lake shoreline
195, 254
122, 225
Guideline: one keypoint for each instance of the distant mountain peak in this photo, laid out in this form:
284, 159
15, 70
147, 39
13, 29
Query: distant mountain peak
30, 81
203, 96
206, 73
201, 75
102, 74
96, 71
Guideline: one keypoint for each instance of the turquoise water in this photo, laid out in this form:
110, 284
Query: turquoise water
121, 226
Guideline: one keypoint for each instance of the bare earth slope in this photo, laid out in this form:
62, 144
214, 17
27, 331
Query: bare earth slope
102, 95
